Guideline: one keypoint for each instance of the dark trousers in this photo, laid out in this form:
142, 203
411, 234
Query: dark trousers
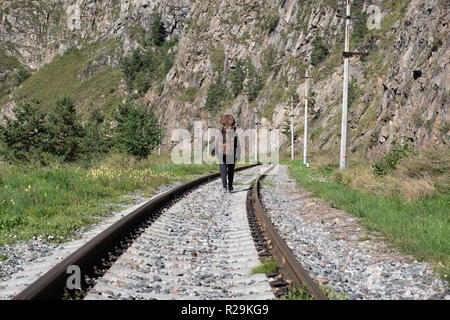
227, 170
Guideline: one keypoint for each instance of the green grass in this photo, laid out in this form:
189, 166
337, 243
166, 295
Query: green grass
333, 295
266, 266
297, 294
420, 228
56, 201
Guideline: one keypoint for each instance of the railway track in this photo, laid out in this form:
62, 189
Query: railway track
192, 242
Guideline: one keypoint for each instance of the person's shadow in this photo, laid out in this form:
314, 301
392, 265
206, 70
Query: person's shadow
242, 190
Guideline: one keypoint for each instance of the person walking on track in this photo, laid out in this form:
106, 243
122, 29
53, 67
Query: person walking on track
227, 149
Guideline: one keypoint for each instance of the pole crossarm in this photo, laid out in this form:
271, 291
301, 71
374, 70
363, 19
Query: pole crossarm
348, 54
347, 17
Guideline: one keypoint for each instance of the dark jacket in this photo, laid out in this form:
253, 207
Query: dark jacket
232, 147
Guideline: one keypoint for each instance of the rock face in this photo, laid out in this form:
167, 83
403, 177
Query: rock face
400, 89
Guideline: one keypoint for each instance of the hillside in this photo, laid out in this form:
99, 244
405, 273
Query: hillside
244, 54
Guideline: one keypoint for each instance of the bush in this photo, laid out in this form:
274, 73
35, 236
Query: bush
21, 75
24, 138
137, 131
353, 91
65, 131
390, 161
271, 22
217, 58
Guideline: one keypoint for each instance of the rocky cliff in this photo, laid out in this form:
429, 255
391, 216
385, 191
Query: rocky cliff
401, 89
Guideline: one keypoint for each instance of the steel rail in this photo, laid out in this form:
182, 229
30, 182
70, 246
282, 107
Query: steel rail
52, 285
289, 265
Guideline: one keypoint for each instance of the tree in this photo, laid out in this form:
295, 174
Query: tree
97, 138
216, 94
319, 51
237, 78
286, 127
157, 30
137, 131
254, 82
142, 82
25, 137
65, 132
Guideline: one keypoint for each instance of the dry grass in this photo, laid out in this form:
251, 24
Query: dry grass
418, 176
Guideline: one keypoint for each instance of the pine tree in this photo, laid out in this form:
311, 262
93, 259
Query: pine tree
137, 131
97, 134
319, 51
286, 127
24, 138
65, 132
237, 78
157, 30
254, 83
216, 94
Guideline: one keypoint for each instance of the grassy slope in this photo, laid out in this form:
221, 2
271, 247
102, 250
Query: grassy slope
60, 77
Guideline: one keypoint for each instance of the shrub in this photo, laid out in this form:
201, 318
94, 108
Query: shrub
217, 58
21, 75
390, 161
137, 131
353, 91
271, 22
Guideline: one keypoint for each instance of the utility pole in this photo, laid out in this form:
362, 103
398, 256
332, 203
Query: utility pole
160, 138
292, 128
207, 130
305, 135
347, 54
256, 134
